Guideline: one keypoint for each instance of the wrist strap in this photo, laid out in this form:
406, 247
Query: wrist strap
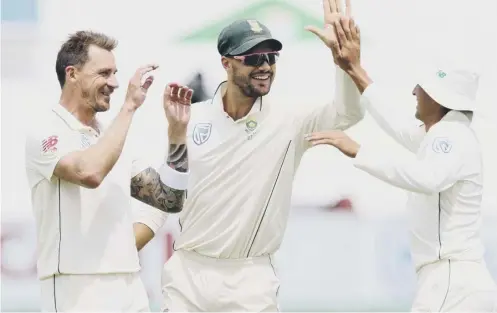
173, 178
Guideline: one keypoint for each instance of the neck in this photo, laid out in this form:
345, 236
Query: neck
235, 103
431, 120
78, 107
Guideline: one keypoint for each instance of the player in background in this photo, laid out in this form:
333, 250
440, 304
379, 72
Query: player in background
443, 176
243, 151
81, 181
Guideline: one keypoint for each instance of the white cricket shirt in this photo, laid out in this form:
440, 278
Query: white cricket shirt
241, 172
79, 230
444, 176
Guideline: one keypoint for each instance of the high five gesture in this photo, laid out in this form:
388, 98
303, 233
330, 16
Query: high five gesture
332, 14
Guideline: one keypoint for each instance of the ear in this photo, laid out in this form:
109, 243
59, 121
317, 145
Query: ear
226, 63
71, 73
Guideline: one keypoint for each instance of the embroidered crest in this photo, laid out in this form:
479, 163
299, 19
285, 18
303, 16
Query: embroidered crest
441, 145
251, 125
441, 74
201, 133
254, 26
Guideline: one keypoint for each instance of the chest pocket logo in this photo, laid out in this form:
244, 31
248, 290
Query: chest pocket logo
201, 133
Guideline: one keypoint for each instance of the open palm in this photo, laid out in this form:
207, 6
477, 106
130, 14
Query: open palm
332, 11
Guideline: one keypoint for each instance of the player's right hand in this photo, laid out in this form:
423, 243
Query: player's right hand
137, 92
177, 101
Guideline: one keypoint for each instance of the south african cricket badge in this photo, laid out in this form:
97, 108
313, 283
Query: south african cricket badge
250, 127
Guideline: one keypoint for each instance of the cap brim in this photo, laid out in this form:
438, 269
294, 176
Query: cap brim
446, 98
275, 44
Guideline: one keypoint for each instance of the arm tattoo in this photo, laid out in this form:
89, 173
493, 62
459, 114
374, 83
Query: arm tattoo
149, 189
178, 157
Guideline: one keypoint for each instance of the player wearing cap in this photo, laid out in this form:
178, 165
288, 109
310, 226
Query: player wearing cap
80, 182
444, 176
243, 152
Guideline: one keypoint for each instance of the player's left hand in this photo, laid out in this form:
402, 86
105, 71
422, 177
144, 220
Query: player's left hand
338, 139
177, 101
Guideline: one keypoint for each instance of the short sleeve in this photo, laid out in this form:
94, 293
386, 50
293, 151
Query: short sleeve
43, 151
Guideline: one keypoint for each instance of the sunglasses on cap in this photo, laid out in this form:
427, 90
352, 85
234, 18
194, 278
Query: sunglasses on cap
257, 59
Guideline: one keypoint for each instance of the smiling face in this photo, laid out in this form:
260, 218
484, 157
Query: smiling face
86, 69
254, 71
96, 79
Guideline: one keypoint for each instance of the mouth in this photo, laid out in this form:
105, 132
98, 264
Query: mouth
106, 95
261, 76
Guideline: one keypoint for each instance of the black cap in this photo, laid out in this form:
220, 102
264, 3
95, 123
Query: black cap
242, 35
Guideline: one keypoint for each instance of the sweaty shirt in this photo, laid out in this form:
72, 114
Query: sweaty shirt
241, 172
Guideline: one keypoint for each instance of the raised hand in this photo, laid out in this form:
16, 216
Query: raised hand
332, 11
177, 101
137, 92
345, 46
338, 139
347, 54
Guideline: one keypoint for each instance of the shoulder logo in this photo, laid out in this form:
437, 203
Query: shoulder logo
49, 145
201, 133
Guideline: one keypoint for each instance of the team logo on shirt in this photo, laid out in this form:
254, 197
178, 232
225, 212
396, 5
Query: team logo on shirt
250, 127
441, 145
85, 142
201, 133
49, 145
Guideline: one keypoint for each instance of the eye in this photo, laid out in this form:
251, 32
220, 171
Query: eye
105, 73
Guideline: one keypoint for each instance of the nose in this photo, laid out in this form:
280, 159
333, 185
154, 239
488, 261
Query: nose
414, 90
265, 66
112, 81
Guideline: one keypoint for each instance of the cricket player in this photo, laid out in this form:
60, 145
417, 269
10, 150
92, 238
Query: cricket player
243, 151
81, 177
443, 175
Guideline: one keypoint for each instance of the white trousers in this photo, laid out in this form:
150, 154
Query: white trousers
94, 293
195, 283
455, 286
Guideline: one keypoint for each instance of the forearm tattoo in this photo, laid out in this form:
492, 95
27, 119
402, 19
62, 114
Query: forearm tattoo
148, 188
178, 157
